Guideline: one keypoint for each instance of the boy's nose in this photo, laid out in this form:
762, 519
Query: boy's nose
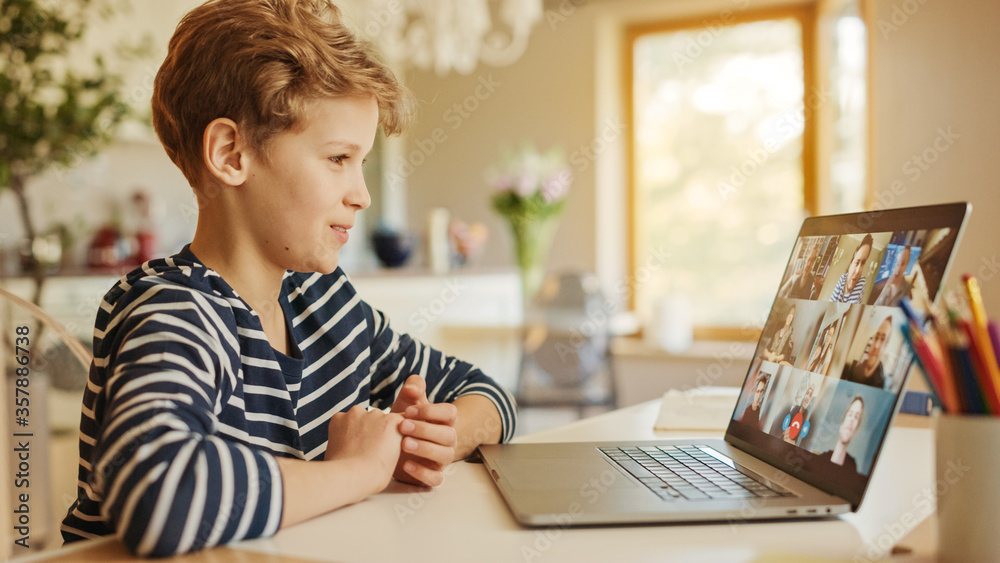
359, 196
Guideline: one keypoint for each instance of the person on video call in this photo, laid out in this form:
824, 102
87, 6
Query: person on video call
751, 414
848, 429
802, 407
800, 284
868, 370
779, 347
895, 286
822, 354
851, 284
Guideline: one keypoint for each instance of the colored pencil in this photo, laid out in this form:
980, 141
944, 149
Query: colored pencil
944, 364
979, 369
994, 331
957, 347
933, 385
965, 376
975, 297
931, 368
988, 369
911, 313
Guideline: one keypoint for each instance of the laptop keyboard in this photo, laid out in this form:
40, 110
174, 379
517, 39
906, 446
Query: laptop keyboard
686, 472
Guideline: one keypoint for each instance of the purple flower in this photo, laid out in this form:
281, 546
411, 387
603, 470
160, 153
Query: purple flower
503, 182
526, 184
527, 172
556, 186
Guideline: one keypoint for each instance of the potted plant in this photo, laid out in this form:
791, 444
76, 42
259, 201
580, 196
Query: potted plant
530, 189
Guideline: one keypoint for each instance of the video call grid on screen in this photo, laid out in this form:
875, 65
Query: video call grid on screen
832, 359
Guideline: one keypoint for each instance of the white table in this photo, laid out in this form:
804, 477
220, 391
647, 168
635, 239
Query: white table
466, 520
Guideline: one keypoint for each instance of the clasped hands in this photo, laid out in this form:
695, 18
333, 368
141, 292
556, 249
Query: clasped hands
429, 436
417, 436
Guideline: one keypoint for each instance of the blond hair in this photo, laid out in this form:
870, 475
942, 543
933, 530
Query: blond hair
259, 62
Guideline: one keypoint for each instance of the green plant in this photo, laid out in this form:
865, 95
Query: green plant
530, 190
51, 114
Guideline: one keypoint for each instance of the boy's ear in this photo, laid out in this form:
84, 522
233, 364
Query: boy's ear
224, 151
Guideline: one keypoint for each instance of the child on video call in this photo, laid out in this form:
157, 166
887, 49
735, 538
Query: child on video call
238, 387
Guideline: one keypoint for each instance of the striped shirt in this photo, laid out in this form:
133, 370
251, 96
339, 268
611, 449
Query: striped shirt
187, 404
854, 296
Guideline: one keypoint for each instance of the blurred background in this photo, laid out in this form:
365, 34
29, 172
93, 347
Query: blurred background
675, 146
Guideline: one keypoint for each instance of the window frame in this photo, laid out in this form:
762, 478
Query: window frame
808, 17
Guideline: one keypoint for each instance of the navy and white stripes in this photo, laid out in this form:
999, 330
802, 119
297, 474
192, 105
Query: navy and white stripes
854, 296
187, 404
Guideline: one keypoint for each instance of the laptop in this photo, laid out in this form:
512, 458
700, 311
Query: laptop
822, 388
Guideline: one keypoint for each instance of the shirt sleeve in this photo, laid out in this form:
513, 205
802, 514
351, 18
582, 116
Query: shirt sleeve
396, 356
838, 290
167, 483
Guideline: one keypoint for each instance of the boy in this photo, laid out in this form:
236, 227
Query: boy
228, 394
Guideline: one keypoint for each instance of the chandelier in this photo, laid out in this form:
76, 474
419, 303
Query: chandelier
447, 35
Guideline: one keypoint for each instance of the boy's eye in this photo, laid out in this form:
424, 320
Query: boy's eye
338, 159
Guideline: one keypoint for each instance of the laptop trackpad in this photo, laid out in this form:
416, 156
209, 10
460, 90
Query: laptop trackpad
561, 473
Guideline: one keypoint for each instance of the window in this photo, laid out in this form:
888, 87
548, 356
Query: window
722, 154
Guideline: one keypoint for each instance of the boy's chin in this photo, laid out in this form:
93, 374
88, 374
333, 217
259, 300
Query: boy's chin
323, 266
327, 267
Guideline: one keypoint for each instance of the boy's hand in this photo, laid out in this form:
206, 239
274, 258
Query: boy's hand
429, 434
371, 437
414, 392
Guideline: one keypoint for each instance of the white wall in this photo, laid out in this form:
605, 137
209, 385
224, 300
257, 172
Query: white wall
936, 70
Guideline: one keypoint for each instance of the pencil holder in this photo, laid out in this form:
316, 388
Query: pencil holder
968, 490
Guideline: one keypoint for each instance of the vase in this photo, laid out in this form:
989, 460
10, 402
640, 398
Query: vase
532, 239
391, 248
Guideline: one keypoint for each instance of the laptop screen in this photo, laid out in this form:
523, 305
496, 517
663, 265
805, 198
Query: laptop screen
832, 362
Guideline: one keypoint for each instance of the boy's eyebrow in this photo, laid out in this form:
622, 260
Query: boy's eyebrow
344, 144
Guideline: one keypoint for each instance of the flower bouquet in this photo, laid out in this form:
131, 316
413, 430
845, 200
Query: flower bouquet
530, 190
